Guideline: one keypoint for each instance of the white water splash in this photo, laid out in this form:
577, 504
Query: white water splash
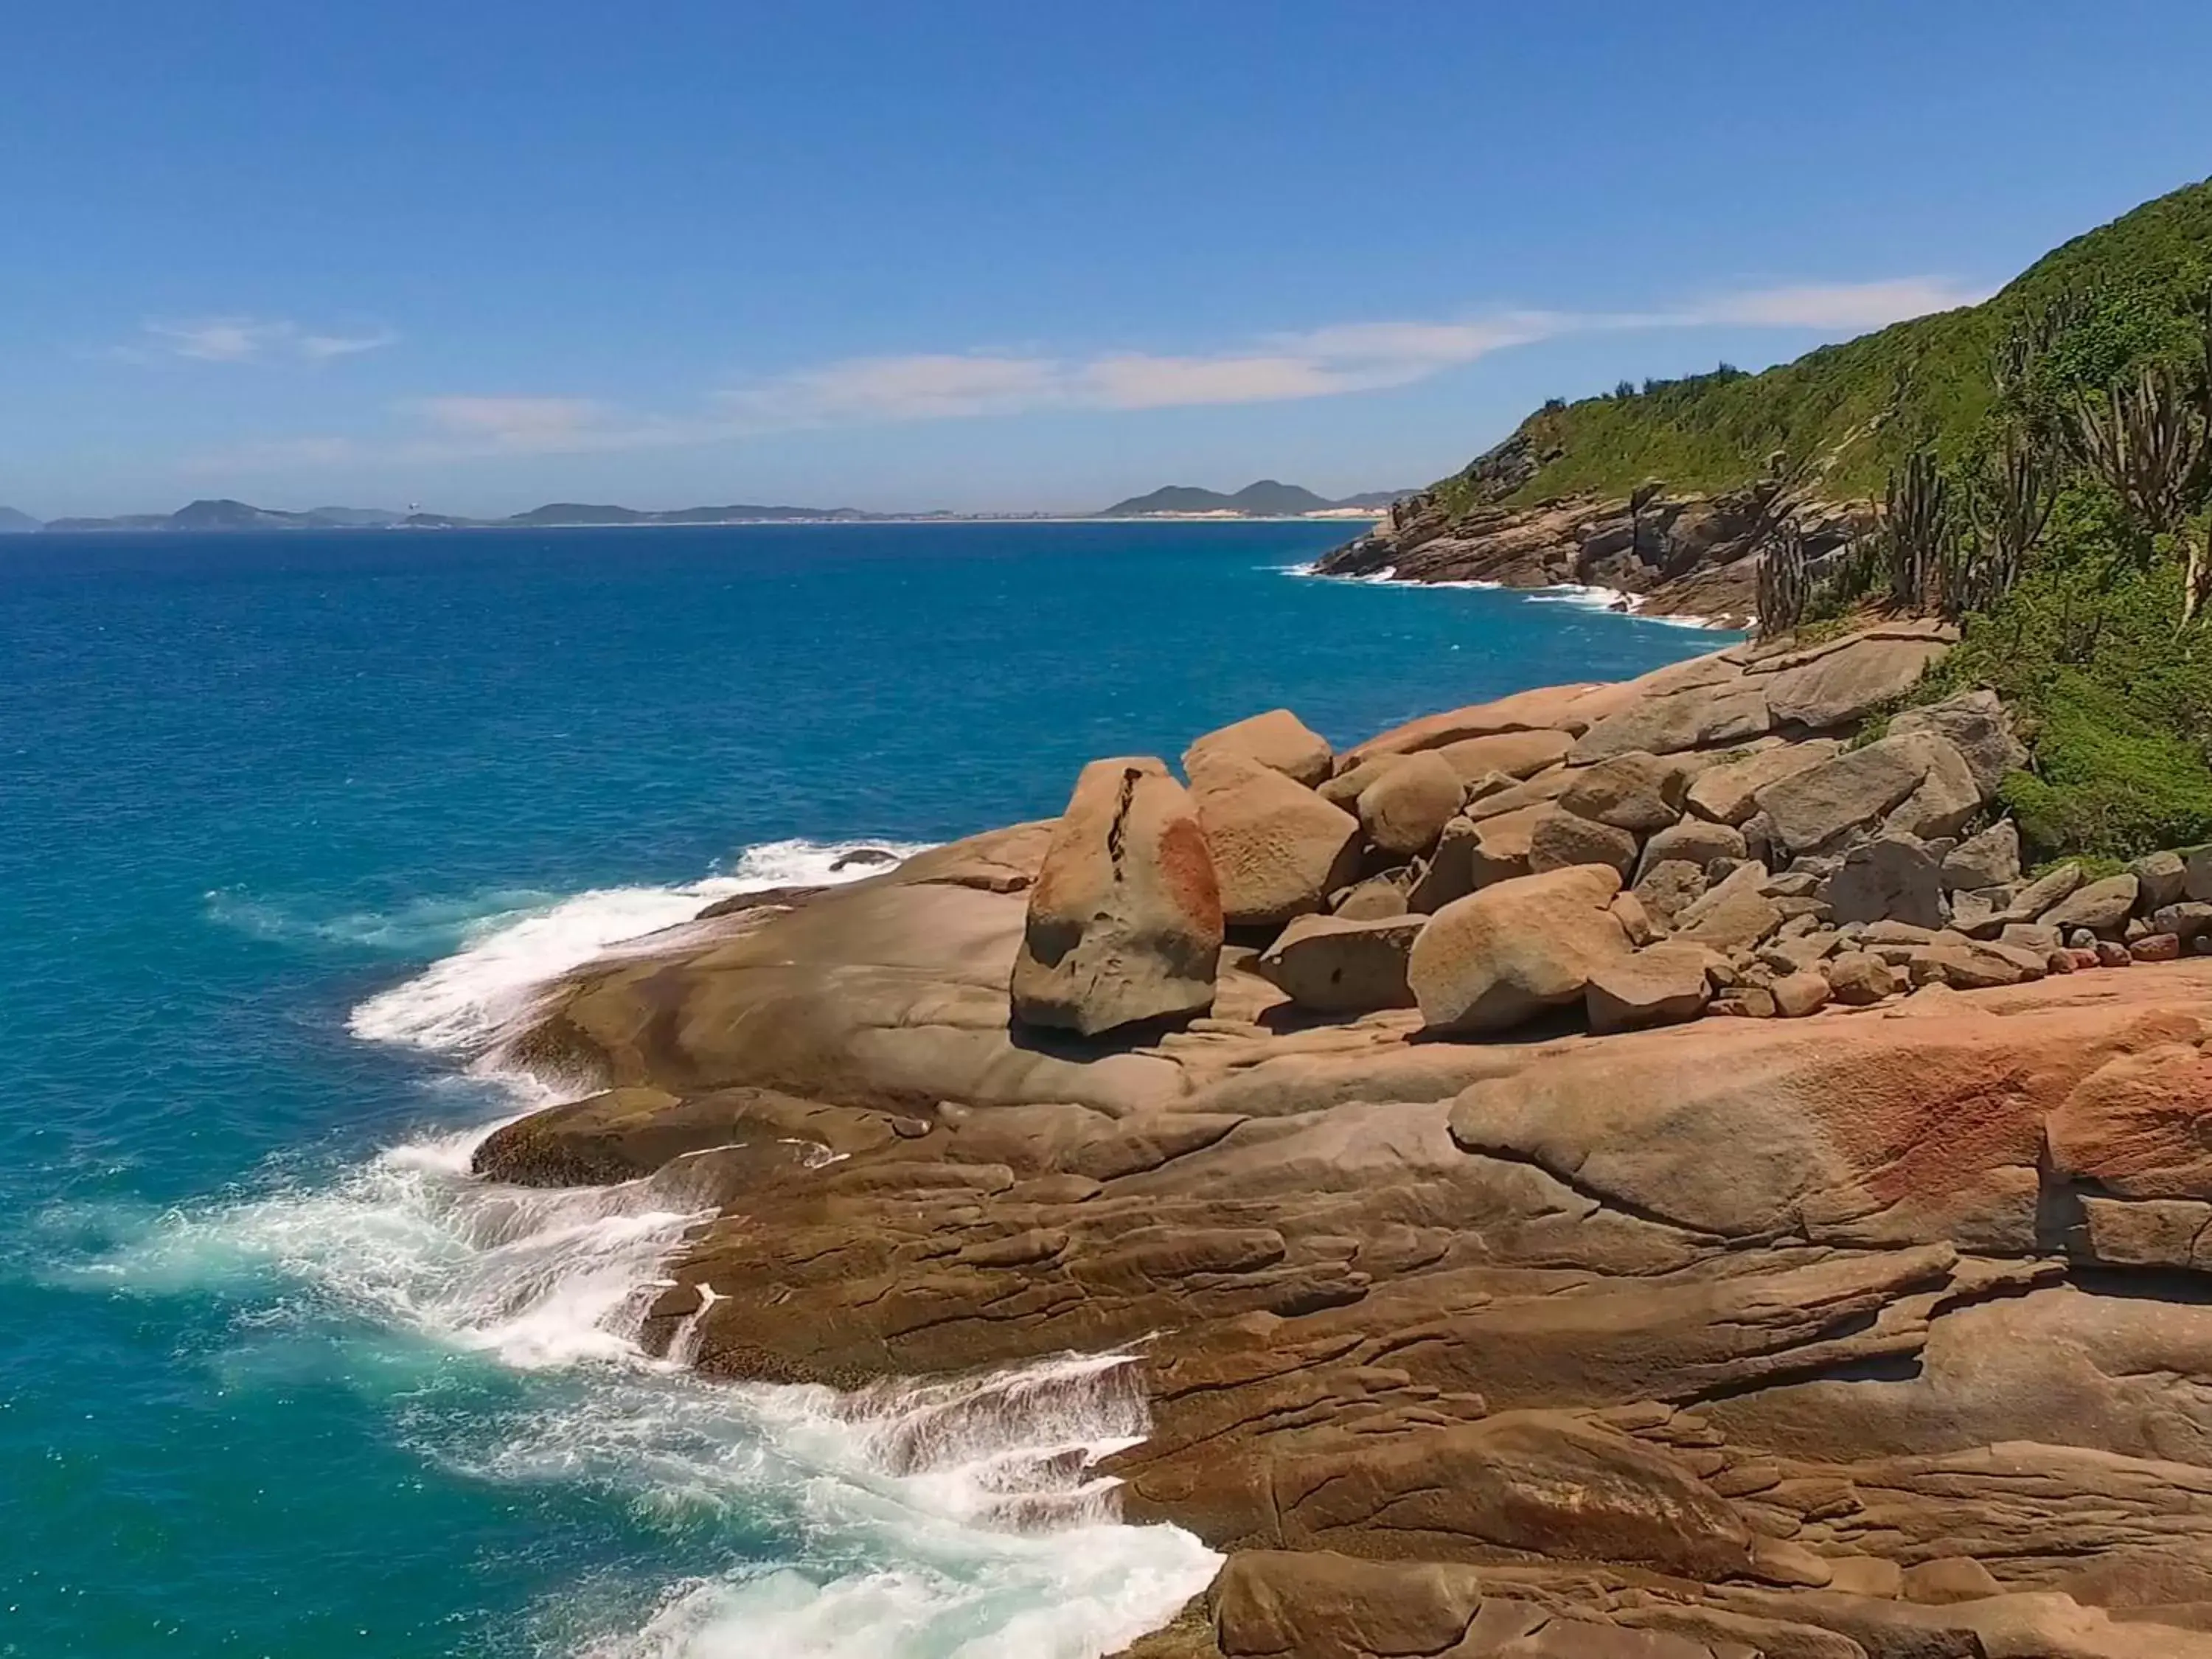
459, 1004
961, 1519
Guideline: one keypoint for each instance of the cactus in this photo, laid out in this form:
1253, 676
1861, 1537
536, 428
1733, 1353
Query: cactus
1782, 587
2007, 509
2147, 442
1917, 529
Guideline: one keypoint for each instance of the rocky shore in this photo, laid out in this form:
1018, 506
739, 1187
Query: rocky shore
1685, 554
1629, 1171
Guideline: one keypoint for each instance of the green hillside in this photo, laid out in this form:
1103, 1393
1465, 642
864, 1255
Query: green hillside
1854, 409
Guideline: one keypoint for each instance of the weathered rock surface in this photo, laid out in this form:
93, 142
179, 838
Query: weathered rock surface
1405, 809
1873, 1333
1277, 740
1493, 959
1279, 850
1124, 923
1339, 965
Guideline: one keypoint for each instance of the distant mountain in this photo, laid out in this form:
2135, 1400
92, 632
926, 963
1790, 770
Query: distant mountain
14, 523
224, 514
1267, 499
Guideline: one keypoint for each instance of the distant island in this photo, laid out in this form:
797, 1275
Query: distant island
1265, 500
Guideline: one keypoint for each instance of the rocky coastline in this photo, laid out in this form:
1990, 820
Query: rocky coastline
1633, 1171
1689, 555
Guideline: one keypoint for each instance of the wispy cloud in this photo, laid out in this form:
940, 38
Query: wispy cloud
1322, 362
248, 340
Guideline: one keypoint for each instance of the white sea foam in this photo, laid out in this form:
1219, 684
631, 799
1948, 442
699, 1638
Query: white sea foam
460, 1004
1586, 596
961, 1519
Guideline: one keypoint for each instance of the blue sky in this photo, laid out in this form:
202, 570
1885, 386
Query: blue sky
480, 254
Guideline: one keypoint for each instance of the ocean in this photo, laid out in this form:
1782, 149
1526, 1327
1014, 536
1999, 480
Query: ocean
290, 823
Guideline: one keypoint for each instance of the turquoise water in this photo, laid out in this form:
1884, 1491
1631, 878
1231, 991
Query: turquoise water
290, 823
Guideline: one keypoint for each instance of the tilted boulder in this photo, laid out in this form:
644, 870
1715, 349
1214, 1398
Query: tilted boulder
2161, 878
1278, 849
1976, 724
1668, 887
1839, 683
1497, 957
1728, 792
1125, 920
1405, 809
1502, 846
1334, 964
1277, 740
1693, 841
1733, 915
1864, 788
1518, 754
1991, 858
1569, 708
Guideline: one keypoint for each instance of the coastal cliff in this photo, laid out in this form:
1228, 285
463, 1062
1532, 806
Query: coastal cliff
1649, 1175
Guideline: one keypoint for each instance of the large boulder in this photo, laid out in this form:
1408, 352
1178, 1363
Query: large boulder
1125, 919
1991, 858
1733, 915
1501, 846
1496, 958
1276, 739
1635, 791
1693, 841
1278, 849
1405, 809
1569, 708
1334, 964
1864, 788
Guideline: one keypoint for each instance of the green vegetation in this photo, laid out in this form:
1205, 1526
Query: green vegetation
2038, 467
1856, 409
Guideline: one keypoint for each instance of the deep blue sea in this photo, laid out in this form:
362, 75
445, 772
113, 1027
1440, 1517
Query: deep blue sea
288, 823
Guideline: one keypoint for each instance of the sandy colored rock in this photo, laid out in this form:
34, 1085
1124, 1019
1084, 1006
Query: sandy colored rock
1337, 965
1277, 740
1661, 984
1670, 887
1517, 753
1506, 953
1568, 708
1728, 792
1892, 876
1377, 897
1279, 850
1991, 858
1693, 841
1124, 922
1977, 725
1858, 978
1500, 848
1403, 812
1636, 792
1952, 1579
1862, 788
1344, 787
1805, 991
1558, 838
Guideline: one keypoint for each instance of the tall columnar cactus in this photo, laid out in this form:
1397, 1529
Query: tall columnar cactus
1917, 529
2007, 509
2146, 441
1783, 585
